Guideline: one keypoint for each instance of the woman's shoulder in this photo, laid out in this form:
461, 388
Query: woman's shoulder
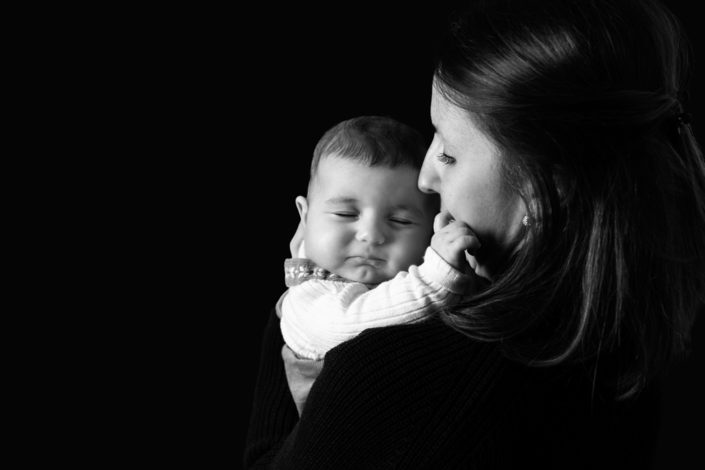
413, 344
422, 390
428, 393
422, 362
434, 353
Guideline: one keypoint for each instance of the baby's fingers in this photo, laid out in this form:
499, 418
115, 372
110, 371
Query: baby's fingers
468, 243
461, 235
442, 219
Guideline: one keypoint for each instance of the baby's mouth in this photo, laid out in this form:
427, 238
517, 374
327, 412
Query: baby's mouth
369, 260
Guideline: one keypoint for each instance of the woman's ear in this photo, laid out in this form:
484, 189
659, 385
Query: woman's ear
302, 207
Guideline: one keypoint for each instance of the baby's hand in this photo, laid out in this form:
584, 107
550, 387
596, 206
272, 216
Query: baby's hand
451, 239
296, 245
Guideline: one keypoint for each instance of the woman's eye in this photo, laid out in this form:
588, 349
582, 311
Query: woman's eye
345, 214
401, 221
446, 159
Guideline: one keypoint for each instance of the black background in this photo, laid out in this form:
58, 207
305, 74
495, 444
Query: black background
297, 71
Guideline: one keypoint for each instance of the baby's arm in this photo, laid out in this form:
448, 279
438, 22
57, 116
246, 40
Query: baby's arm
318, 315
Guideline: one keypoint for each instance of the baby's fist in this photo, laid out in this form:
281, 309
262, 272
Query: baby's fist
451, 239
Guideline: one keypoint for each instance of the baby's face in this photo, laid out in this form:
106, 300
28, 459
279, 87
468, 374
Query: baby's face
367, 223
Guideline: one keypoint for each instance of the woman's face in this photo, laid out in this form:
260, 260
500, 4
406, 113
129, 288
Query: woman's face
465, 168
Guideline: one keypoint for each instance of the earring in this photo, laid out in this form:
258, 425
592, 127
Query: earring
527, 221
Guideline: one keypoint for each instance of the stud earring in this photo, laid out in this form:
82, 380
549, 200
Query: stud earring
527, 221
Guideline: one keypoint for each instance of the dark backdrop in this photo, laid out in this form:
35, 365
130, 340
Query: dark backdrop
305, 69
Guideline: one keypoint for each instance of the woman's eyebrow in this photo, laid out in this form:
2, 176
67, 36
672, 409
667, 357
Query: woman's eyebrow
436, 129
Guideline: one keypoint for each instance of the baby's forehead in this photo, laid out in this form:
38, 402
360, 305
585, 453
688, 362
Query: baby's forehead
333, 163
337, 173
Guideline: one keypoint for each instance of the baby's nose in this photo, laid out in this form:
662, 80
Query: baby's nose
371, 232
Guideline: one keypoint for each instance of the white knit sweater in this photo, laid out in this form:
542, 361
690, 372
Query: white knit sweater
321, 313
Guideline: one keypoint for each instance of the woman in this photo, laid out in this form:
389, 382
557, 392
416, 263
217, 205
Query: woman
569, 153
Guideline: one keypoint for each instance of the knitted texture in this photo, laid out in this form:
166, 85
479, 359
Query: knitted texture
422, 396
298, 270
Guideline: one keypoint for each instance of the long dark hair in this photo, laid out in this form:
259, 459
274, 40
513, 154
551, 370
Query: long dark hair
584, 98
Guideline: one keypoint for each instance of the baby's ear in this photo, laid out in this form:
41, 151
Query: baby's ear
302, 207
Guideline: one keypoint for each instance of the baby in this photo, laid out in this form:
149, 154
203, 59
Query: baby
365, 259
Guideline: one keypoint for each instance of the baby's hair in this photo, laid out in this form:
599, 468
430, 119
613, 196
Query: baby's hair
373, 141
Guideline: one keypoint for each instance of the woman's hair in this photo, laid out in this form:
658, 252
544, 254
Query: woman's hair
372, 140
585, 100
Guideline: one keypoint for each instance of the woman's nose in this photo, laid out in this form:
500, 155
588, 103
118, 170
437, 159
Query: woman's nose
428, 178
370, 231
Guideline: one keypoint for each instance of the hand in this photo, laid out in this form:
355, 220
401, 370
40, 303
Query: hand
451, 240
297, 242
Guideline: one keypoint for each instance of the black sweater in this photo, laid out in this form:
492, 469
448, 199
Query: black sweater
424, 396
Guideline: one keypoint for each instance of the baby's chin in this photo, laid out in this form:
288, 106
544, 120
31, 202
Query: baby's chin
366, 275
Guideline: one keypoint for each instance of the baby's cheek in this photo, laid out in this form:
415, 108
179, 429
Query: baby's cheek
326, 250
412, 255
